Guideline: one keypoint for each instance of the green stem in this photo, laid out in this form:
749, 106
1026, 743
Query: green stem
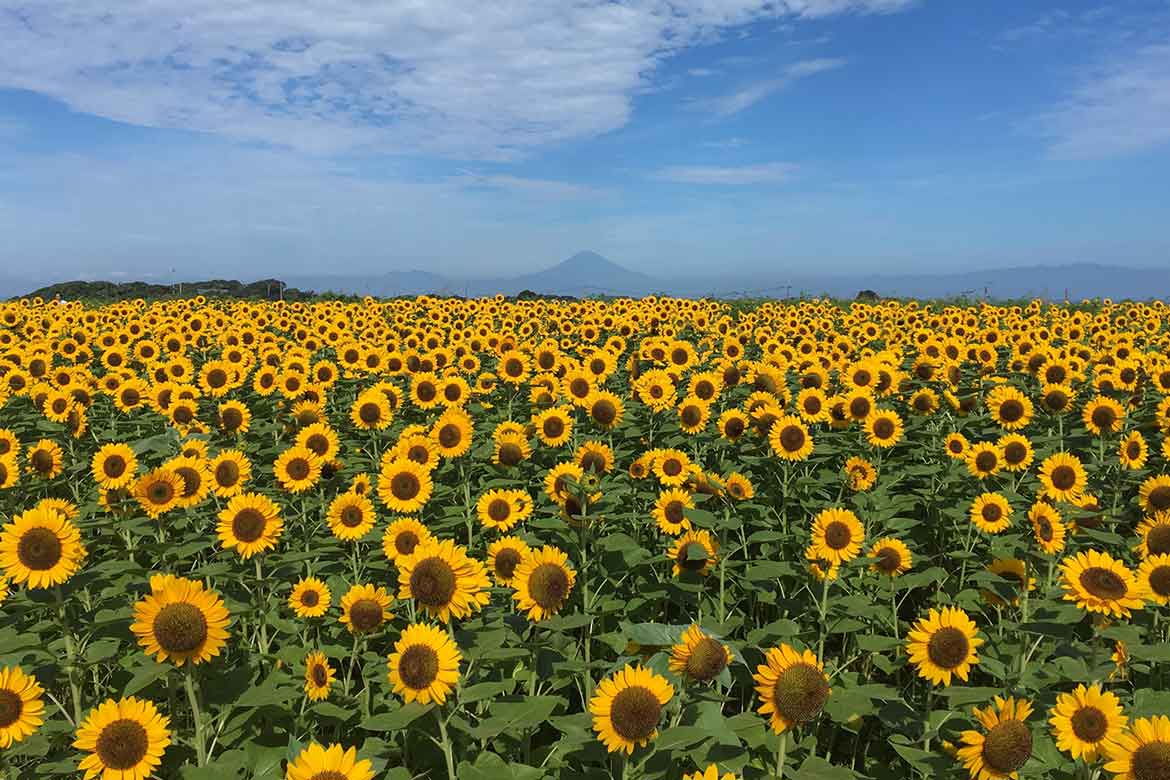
448, 754
824, 613
196, 715
781, 754
71, 670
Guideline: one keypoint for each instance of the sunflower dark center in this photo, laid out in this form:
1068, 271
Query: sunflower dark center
180, 627
419, 666
352, 516
1133, 450
452, 392
11, 705
635, 713
405, 542
1063, 477
1089, 724
365, 614
1151, 761
329, 774
674, 512
320, 675
217, 377
593, 461
425, 391
604, 412
992, 512
734, 427
1015, 452
548, 585
985, 461
499, 510
506, 562
838, 535
800, 693
1160, 580
39, 549
433, 582
791, 438
1103, 583
510, 454
310, 598
318, 443
888, 560
1007, 746
948, 647
1103, 417
513, 367
192, 479
42, 461
248, 525
369, 413
1011, 410
691, 415
183, 415
161, 492
707, 659
450, 436
579, 387
705, 390
298, 469
122, 744
405, 486
131, 397
227, 473
553, 427
1160, 497
883, 428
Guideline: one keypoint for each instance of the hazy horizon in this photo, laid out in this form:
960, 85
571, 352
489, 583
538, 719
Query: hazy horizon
845, 136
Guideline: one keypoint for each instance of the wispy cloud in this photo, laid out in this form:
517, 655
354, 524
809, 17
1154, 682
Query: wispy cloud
763, 173
543, 188
747, 96
734, 142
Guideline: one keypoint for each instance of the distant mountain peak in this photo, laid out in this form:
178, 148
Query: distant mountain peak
588, 260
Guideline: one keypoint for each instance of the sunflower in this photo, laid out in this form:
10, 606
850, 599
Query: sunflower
365, 609
40, 548
1097, 582
738, 486
1133, 451
443, 580
351, 516
891, 557
452, 433
1154, 494
594, 457
1141, 752
45, 459
693, 415
402, 536
124, 739
1009, 408
371, 411
694, 552
813, 405
1047, 527
605, 409
944, 645
672, 467
158, 491
699, 657
792, 687
114, 466
1154, 574
1103, 415
503, 509
297, 469
627, 707
9, 443
1155, 536
1016, 450
329, 763
424, 666
250, 524
1085, 721
21, 707
1013, 570
790, 439
710, 773
230, 471
9, 471
195, 478
554, 426
732, 423
319, 439
180, 621
310, 598
956, 446
1004, 746
234, 418
1063, 477
319, 676
543, 581
984, 459
991, 513
1056, 398
836, 536
504, 555
511, 449
670, 511
3, 589
404, 486
861, 474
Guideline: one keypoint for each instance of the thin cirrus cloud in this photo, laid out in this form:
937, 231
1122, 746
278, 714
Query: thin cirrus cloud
748, 96
456, 78
763, 173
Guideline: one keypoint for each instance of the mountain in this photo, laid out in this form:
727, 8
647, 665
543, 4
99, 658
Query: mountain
583, 274
387, 285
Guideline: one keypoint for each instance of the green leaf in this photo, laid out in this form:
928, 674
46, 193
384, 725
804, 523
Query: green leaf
816, 768
516, 716
398, 719
150, 671
489, 766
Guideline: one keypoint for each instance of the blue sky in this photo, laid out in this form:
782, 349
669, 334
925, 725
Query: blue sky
256, 138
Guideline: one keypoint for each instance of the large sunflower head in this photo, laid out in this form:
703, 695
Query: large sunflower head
319, 676
698, 656
371, 411
1086, 720
1103, 415
180, 621
1016, 450
310, 598
1142, 751
837, 536
670, 511
1154, 535
402, 536
504, 556
114, 466
1154, 494
250, 524
1005, 744
956, 445
984, 459
511, 449
501, 510
40, 548
554, 426
124, 738
365, 609
891, 557
158, 491
883, 428
404, 486
694, 553
543, 581
627, 708
443, 580
605, 409
1097, 582
1133, 451
21, 706
335, 762
298, 469
351, 516
452, 433
991, 513
790, 439
45, 459
230, 471
1010, 408
792, 686
944, 645
424, 666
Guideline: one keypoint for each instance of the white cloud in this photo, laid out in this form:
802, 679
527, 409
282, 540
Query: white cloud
540, 188
1122, 108
747, 96
454, 77
763, 173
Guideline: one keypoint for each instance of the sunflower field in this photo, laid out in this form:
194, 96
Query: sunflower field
511, 540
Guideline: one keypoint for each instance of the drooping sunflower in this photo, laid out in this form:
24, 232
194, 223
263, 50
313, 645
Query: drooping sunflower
594, 457
250, 524
792, 687
114, 466
991, 513
543, 581
694, 552
1086, 720
124, 739
1103, 415
310, 598
443, 580
738, 486
1017, 451
424, 666
891, 557
230, 471
319, 676
21, 706
860, 473
404, 486
1063, 477
1141, 752
40, 548
883, 428
297, 469
1097, 582
180, 620
1047, 527
502, 510
45, 459
504, 555
329, 763
984, 459
351, 516
837, 536
365, 609
790, 439
1004, 746
670, 511
1154, 494
699, 656
402, 536
943, 645
627, 708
